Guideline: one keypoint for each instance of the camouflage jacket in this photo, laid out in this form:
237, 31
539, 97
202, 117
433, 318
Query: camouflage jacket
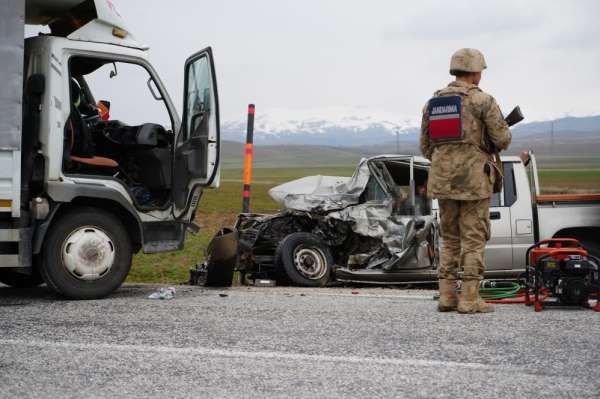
458, 168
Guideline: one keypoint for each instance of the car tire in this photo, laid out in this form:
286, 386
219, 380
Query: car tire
19, 280
305, 259
87, 254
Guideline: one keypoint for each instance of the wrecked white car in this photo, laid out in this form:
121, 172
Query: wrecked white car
376, 226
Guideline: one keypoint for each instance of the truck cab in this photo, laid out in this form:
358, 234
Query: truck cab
101, 165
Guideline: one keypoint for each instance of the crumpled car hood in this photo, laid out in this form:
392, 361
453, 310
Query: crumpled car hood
322, 193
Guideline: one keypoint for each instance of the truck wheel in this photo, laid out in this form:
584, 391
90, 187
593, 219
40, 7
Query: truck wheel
19, 280
87, 254
305, 259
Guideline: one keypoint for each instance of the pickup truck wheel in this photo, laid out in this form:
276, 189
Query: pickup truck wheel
19, 280
305, 259
87, 254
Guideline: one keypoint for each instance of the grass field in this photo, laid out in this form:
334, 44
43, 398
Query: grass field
219, 208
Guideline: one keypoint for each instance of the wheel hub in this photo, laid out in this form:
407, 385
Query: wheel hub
310, 262
88, 253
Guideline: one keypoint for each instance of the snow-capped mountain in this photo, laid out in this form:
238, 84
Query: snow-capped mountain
332, 127
360, 127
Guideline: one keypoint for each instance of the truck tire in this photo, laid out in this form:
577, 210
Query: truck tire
19, 280
87, 254
305, 259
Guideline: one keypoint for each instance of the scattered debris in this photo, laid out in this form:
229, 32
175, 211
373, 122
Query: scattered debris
261, 282
163, 293
223, 295
198, 274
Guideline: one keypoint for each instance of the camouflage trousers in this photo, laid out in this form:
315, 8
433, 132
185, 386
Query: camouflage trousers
465, 229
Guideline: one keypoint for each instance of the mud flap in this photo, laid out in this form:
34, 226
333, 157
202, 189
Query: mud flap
222, 258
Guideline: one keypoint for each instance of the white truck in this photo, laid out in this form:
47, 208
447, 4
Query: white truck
95, 164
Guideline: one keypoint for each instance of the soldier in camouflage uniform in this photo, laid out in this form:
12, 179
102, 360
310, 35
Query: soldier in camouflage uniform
456, 123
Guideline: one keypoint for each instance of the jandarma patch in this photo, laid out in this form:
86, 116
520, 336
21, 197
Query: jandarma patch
445, 118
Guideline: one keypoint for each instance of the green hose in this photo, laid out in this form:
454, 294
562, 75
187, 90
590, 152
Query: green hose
496, 293
501, 293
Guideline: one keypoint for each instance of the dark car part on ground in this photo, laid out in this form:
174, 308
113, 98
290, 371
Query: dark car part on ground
221, 261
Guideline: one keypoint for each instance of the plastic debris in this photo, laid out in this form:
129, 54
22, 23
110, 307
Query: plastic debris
163, 293
223, 295
261, 282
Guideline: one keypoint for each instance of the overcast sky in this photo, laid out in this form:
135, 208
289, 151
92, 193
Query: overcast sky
382, 55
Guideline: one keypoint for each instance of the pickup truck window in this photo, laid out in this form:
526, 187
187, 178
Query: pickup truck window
510, 189
495, 200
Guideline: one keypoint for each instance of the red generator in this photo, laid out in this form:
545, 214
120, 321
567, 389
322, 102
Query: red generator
561, 272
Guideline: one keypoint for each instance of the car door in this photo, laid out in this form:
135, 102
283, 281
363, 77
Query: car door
498, 252
196, 154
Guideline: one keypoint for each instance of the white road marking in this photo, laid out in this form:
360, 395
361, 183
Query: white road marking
383, 361
360, 294
421, 297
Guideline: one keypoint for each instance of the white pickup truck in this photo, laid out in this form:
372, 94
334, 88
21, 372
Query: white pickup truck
375, 227
521, 216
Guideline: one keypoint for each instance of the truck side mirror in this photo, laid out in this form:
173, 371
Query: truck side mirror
114, 72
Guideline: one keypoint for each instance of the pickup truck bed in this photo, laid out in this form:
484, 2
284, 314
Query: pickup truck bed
567, 198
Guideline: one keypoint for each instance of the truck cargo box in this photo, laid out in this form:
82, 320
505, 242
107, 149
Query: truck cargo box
12, 22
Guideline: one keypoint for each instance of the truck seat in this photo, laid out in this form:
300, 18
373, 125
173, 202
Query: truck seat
85, 157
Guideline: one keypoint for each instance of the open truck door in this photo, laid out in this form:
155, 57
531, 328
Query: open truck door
196, 155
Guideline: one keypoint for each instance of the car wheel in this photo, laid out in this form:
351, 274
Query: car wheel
305, 259
19, 280
87, 254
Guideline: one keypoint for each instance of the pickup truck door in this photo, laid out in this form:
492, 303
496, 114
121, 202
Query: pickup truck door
196, 154
498, 252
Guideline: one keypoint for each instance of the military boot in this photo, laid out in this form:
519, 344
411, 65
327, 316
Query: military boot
448, 298
469, 300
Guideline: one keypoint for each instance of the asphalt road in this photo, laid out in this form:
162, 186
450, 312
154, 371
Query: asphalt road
289, 343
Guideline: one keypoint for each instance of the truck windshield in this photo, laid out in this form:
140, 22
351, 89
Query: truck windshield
125, 87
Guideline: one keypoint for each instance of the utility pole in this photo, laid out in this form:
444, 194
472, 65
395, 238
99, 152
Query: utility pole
552, 135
